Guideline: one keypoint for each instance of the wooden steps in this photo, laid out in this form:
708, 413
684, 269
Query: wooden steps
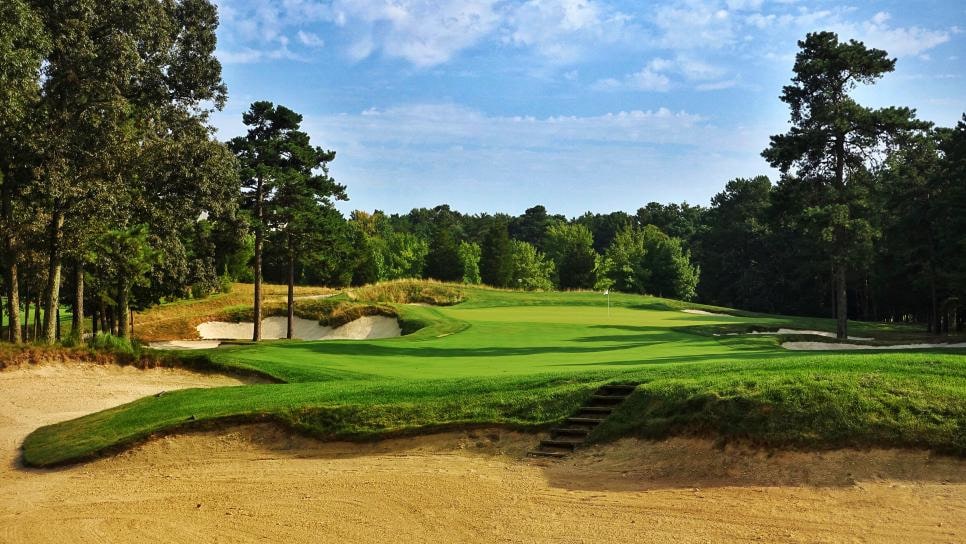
574, 431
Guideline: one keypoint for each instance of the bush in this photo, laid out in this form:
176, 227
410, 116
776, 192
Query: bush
115, 344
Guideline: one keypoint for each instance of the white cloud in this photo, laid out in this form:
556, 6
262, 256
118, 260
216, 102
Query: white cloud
448, 124
898, 41
564, 30
310, 39
423, 33
692, 25
655, 76
648, 80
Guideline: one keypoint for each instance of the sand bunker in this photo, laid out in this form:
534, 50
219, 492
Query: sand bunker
368, 327
829, 346
257, 483
703, 312
826, 334
185, 344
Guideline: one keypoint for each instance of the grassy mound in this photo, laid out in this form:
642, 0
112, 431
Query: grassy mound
329, 312
410, 292
177, 320
528, 359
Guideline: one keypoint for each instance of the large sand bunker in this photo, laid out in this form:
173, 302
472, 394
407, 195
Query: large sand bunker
257, 483
368, 327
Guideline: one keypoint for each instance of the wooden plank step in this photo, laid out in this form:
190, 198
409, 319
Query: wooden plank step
585, 420
597, 409
625, 388
538, 453
609, 398
557, 443
570, 431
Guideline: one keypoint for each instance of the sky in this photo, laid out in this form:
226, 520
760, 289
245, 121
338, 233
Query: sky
578, 105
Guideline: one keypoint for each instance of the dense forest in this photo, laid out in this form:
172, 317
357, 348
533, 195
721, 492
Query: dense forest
116, 195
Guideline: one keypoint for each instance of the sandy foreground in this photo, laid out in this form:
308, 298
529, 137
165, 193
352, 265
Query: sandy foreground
257, 483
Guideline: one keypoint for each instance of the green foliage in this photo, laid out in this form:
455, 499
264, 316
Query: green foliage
405, 256
571, 247
496, 264
623, 261
532, 271
111, 343
469, 254
443, 260
648, 261
668, 267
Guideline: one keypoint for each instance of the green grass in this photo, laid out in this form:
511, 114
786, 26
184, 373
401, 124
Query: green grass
527, 360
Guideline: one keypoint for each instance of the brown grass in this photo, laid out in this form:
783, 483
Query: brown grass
410, 292
177, 320
19, 355
328, 312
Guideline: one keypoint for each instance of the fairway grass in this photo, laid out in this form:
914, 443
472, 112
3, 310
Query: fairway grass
527, 360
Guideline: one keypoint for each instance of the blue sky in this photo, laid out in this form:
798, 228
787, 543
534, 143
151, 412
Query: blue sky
494, 105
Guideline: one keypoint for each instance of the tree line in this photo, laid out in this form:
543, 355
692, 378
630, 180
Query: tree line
115, 195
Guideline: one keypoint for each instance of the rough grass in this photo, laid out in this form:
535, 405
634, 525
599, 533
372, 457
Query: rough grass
528, 360
328, 312
177, 320
410, 292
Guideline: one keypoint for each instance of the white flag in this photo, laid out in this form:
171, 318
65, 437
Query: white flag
606, 291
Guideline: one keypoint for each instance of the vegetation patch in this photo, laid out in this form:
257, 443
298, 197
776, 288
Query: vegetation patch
328, 312
410, 292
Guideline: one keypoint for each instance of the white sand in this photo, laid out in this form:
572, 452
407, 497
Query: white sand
185, 344
368, 327
828, 346
702, 312
826, 334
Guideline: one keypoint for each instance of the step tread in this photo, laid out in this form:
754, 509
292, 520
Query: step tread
609, 397
559, 442
538, 453
570, 430
601, 409
593, 420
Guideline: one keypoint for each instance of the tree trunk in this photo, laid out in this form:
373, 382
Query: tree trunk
291, 294
260, 219
37, 317
13, 284
95, 315
841, 293
57, 326
26, 311
841, 304
111, 322
77, 324
53, 270
123, 310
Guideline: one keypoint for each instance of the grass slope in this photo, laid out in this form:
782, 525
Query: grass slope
529, 359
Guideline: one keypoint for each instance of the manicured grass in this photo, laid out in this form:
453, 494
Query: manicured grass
529, 359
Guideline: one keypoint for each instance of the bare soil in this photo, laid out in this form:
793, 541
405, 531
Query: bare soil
257, 483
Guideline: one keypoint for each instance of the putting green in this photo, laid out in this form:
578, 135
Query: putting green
529, 359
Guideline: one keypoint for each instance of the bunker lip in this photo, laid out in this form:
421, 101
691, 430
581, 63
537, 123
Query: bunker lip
273, 328
830, 346
704, 312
